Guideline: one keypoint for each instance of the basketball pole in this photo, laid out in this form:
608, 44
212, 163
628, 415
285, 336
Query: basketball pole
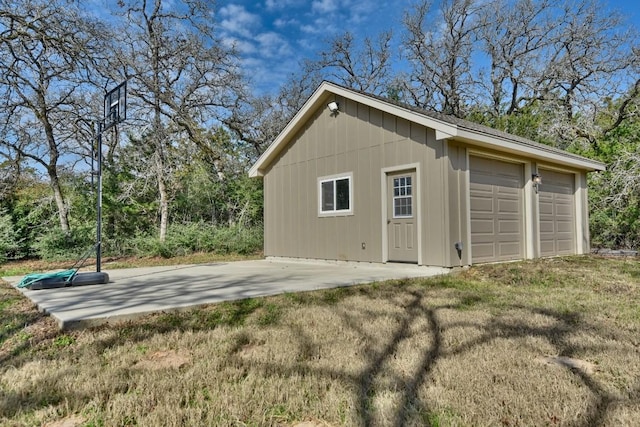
99, 202
115, 111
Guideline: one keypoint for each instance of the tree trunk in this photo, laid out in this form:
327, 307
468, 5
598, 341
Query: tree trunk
63, 213
164, 197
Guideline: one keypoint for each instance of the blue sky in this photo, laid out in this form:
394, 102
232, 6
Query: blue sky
274, 35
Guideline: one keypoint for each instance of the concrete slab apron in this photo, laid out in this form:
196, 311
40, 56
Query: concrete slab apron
137, 291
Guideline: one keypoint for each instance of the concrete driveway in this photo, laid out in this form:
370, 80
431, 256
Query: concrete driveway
137, 291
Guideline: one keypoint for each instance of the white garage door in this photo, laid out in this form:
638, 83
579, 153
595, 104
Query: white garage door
496, 205
557, 213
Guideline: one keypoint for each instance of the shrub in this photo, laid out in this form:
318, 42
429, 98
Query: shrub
188, 238
182, 239
9, 244
58, 245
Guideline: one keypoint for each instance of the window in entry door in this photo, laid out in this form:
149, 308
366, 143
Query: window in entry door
402, 197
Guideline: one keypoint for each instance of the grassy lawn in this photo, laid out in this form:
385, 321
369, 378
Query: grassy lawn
548, 342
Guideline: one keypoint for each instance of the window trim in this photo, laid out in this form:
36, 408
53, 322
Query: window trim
333, 178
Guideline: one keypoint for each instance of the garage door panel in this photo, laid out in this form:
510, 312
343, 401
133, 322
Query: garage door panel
557, 213
565, 247
508, 250
509, 227
566, 210
507, 185
546, 208
496, 203
482, 204
546, 226
509, 206
547, 246
482, 226
484, 251
565, 227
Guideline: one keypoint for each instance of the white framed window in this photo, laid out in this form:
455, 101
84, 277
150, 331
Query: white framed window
402, 197
335, 195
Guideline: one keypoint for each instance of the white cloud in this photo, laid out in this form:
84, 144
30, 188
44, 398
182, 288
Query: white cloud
237, 20
243, 47
323, 26
360, 10
324, 6
286, 23
282, 4
273, 45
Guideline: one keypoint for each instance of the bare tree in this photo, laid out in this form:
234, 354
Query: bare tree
590, 57
363, 67
565, 57
46, 50
181, 77
257, 120
515, 35
439, 53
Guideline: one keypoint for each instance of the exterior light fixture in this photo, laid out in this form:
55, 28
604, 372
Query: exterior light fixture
537, 180
333, 107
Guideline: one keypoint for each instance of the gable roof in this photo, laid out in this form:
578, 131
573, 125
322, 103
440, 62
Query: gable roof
446, 127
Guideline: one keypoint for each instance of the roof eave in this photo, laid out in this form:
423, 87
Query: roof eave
480, 139
444, 130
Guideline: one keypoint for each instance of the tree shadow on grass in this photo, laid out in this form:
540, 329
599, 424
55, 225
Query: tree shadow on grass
22, 327
418, 309
412, 409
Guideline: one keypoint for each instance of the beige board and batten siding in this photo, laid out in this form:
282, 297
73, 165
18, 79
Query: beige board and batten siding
362, 141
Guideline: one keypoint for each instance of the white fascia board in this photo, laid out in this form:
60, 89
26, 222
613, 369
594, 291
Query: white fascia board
501, 144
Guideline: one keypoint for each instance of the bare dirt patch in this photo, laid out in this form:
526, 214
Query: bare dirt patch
569, 362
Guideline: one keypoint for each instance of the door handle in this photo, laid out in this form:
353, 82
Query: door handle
388, 221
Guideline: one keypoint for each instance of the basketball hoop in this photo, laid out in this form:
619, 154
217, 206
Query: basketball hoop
115, 106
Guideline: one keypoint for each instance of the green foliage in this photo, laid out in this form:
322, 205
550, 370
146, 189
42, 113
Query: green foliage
64, 341
614, 195
32, 211
527, 122
188, 238
8, 237
58, 245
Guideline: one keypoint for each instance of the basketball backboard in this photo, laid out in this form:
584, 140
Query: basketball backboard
115, 106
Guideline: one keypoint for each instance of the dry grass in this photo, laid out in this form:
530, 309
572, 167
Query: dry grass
548, 342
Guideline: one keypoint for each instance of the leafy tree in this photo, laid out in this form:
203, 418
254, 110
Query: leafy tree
615, 194
8, 236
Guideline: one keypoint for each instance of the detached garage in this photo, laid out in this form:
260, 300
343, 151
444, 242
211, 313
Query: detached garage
356, 177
